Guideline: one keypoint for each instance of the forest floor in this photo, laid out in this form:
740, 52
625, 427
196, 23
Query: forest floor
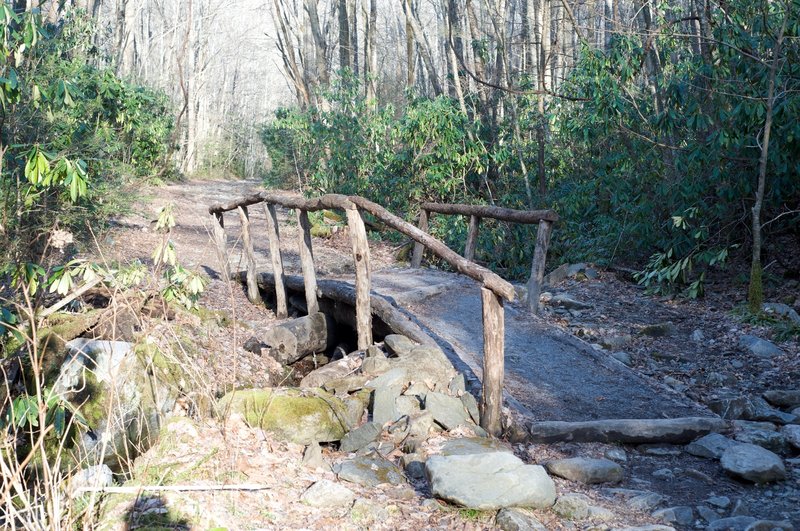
700, 356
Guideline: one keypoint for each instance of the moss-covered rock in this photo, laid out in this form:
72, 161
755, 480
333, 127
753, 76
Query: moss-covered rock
321, 231
59, 329
300, 416
122, 391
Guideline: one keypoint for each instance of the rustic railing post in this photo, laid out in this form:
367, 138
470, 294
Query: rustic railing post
307, 262
249, 255
419, 249
493, 361
273, 233
538, 264
218, 234
358, 238
472, 238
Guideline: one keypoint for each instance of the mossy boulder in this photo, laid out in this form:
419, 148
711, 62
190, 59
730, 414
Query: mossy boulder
300, 416
59, 329
321, 231
123, 393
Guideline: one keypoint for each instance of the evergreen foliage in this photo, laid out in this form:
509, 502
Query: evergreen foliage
72, 134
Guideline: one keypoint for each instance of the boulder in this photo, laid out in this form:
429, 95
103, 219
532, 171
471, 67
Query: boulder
556, 276
447, 411
398, 345
572, 506
393, 377
516, 520
471, 405
335, 370
681, 515
296, 338
729, 406
792, 435
407, 405
360, 437
489, 481
753, 463
312, 458
473, 445
646, 501
345, 386
707, 514
771, 440
586, 470
424, 363
326, 493
299, 416
759, 347
369, 471
785, 398
122, 391
384, 404
760, 410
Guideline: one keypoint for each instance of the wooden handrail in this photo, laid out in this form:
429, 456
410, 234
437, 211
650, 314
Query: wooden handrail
487, 278
493, 212
545, 219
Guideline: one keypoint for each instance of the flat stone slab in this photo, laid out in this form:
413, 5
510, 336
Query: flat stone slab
551, 374
326, 493
369, 471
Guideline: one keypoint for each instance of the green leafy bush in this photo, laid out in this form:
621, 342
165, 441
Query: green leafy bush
72, 135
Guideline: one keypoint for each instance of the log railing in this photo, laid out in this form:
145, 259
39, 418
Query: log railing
493, 291
545, 219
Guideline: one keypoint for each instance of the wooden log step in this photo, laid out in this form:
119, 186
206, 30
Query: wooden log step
630, 431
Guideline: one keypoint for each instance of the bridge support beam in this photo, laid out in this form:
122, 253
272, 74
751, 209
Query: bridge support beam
218, 234
253, 295
493, 361
273, 233
537, 266
358, 238
307, 262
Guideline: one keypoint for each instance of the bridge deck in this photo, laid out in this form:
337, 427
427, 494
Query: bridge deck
551, 374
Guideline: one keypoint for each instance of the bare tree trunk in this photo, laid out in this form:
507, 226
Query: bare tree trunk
320, 46
424, 48
755, 296
543, 71
344, 36
370, 53
353, 13
410, 55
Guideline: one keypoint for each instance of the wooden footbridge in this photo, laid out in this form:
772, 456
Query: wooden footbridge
494, 289
543, 372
